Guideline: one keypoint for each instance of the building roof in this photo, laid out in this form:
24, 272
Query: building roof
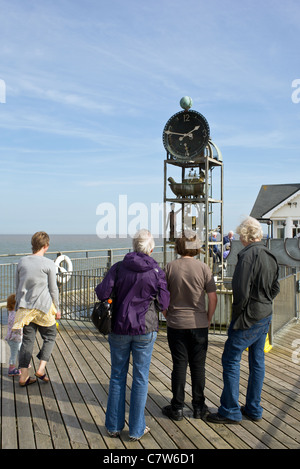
270, 196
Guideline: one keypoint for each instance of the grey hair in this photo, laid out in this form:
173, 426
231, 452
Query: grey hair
143, 242
250, 230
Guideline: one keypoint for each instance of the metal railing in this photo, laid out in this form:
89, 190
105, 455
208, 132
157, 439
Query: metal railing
90, 262
77, 295
286, 303
286, 306
7, 280
77, 299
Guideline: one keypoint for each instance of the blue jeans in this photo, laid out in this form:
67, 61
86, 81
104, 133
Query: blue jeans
14, 351
141, 347
238, 340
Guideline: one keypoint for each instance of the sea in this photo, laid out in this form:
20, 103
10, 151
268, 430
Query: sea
19, 244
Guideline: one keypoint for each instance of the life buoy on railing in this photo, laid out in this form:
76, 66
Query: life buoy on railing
59, 269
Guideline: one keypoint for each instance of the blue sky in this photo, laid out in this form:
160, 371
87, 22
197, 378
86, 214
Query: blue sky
90, 85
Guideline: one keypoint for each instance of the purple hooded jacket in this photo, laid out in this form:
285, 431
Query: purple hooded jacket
141, 291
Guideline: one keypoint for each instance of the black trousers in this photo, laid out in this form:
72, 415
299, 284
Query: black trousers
188, 347
48, 335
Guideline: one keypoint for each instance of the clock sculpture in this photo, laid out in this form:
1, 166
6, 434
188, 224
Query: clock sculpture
186, 139
185, 135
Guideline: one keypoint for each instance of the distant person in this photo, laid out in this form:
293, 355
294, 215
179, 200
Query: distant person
37, 306
226, 251
140, 289
254, 285
190, 281
228, 238
215, 251
13, 338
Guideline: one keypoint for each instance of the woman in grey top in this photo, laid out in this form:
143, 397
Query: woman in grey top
37, 306
189, 282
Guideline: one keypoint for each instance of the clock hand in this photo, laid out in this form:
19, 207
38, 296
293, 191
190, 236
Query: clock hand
169, 132
189, 134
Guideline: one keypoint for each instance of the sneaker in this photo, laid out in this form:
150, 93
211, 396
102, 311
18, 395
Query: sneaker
174, 414
113, 434
133, 438
200, 412
217, 418
254, 419
14, 372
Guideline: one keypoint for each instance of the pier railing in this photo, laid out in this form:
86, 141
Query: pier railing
89, 262
77, 299
77, 296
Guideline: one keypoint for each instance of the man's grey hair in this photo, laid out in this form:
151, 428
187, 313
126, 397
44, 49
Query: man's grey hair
250, 230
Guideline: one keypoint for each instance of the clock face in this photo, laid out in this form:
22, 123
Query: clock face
185, 135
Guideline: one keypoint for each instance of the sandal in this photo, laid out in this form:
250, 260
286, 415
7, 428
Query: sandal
27, 382
43, 377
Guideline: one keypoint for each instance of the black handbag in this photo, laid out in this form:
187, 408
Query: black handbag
102, 316
103, 311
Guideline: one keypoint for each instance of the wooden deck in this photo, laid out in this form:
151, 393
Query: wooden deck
69, 412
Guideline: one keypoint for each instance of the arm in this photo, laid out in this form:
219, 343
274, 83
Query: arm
275, 289
275, 286
163, 294
105, 288
53, 289
212, 304
241, 285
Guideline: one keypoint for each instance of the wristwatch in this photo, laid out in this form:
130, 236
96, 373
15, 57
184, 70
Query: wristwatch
185, 135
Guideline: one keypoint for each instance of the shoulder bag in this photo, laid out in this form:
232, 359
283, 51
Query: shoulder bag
103, 311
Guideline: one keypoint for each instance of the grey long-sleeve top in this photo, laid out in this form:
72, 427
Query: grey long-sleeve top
36, 286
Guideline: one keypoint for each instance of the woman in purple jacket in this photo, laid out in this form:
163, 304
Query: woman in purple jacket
141, 290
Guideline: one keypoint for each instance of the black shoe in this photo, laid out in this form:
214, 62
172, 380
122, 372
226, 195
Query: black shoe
217, 418
254, 419
174, 414
200, 412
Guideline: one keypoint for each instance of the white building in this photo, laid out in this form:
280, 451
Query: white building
279, 206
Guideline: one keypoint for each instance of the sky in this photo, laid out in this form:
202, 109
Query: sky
87, 86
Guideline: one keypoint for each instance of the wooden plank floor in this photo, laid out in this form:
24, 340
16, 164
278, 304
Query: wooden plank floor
69, 412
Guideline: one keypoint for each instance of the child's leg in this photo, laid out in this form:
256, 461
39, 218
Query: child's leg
14, 351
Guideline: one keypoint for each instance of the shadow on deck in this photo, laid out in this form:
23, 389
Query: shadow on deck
69, 412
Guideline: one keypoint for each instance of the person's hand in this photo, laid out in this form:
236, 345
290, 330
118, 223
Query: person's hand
58, 315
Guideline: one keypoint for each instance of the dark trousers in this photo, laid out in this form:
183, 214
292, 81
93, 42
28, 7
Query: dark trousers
188, 347
48, 335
